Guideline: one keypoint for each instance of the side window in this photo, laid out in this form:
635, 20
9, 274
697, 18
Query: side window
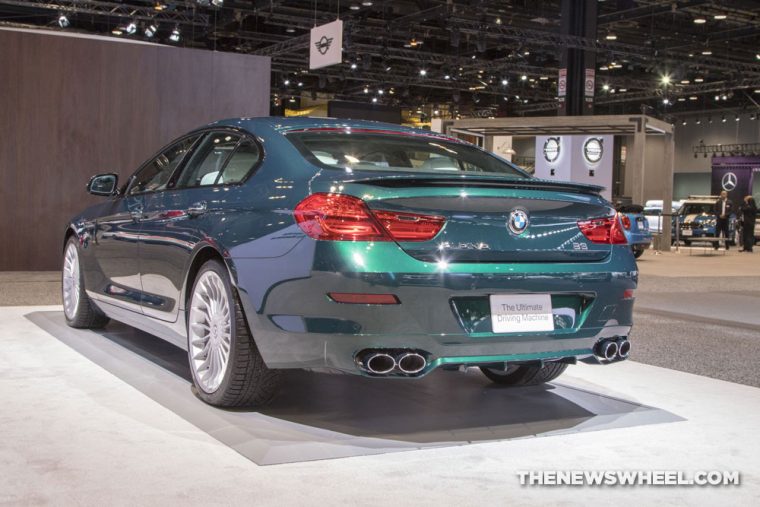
156, 174
205, 167
241, 162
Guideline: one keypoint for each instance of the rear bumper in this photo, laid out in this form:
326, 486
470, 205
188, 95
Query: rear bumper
296, 325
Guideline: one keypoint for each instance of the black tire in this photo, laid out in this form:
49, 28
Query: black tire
247, 382
525, 374
86, 315
638, 252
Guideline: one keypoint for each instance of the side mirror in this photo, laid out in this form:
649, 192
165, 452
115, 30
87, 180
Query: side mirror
103, 184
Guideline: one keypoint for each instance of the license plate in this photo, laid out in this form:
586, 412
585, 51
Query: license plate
687, 232
515, 313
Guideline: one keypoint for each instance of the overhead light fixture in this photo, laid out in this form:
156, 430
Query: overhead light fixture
159, 6
131, 28
684, 123
524, 77
116, 31
723, 119
693, 97
709, 119
757, 56
150, 30
504, 82
699, 121
611, 36
498, 21
699, 80
622, 90
366, 90
217, 3
605, 87
544, 78
354, 7
665, 79
724, 97
666, 101
737, 118
290, 29
720, 17
753, 117
374, 99
353, 66
684, 81
706, 52
63, 21
700, 21
286, 82
175, 35
380, 91
423, 72
367, 3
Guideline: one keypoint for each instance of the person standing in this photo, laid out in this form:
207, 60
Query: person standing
723, 209
749, 212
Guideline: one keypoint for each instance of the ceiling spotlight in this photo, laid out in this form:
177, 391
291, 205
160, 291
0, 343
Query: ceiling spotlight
504, 82
706, 52
524, 77
611, 36
665, 79
700, 21
423, 72
724, 97
217, 3
286, 82
753, 117
374, 100
736, 118
723, 119
699, 121
684, 123
606, 87
367, 3
353, 66
366, 90
63, 21
447, 77
300, 84
693, 97
159, 6
150, 30
290, 29
699, 80
116, 31
709, 119
131, 28
380, 91
498, 21
757, 56
720, 17
666, 101
174, 37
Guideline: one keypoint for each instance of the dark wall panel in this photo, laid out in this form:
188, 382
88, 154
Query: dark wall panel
72, 107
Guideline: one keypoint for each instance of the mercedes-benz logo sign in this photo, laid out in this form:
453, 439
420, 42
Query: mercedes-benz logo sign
593, 150
323, 44
729, 182
518, 221
551, 149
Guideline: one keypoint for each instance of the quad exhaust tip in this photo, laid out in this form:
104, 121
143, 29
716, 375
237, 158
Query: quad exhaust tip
389, 361
381, 364
624, 349
411, 363
607, 350
612, 350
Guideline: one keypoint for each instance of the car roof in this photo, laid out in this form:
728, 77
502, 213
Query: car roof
284, 125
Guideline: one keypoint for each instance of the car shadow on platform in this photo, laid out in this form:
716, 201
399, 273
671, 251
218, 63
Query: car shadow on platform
321, 416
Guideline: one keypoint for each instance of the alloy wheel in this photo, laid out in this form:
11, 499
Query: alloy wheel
209, 331
71, 281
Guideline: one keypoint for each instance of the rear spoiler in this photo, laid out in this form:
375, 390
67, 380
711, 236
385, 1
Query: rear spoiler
479, 181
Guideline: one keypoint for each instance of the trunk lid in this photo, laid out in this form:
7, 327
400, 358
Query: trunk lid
479, 210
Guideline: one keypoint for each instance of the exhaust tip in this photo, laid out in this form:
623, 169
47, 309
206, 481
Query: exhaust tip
411, 363
624, 349
380, 364
607, 350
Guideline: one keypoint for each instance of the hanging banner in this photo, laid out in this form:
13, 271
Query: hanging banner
326, 46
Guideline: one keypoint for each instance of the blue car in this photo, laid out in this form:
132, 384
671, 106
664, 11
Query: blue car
635, 227
697, 220
260, 245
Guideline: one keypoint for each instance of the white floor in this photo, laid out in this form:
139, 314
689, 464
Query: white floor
73, 433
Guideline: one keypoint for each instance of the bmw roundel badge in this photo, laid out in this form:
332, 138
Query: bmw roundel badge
518, 221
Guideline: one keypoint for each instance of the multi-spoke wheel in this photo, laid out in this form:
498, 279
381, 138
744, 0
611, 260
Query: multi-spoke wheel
77, 307
227, 368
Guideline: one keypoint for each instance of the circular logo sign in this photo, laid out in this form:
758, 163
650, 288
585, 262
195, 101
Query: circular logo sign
729, 182
518, 221
593, 150
551, 149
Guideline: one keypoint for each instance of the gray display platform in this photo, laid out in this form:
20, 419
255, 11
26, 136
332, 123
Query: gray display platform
317, 416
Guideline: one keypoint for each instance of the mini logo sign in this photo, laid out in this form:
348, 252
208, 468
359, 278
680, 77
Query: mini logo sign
518, 221
551, 149
593, 150
323, 44
729, 182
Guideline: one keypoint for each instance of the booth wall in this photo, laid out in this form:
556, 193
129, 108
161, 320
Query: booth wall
71, 107
689, 135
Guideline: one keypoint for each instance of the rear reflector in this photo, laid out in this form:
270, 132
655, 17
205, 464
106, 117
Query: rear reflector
338, 217
607, 230
628, 294
364, 299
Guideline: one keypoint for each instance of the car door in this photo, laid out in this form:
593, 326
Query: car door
118, 231
180, 218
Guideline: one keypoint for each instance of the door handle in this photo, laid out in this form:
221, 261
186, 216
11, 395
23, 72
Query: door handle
197, 209
136, 213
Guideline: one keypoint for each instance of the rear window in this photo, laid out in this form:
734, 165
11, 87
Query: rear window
388, 152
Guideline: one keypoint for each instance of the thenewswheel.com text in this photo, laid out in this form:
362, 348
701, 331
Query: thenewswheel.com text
628, 478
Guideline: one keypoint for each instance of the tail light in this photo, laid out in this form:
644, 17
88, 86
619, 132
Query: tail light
626, 221
338, 217
607, 230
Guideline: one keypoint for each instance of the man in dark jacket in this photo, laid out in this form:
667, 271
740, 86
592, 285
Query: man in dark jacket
723, 209
749, 212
